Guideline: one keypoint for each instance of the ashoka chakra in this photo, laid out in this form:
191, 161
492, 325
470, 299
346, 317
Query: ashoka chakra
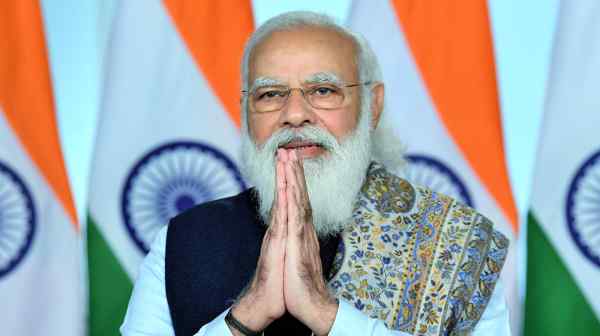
170, 179
434, 174
17, 220
583, 208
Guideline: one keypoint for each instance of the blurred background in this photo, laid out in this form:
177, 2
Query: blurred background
122, 70
78, 34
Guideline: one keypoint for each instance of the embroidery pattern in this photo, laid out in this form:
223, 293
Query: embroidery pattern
418, 260
475, 305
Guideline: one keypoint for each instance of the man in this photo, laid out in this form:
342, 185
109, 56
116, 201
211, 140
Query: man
328, 241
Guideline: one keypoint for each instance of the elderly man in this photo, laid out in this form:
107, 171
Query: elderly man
328, 241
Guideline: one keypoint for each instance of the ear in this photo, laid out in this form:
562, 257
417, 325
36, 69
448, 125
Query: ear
378, 95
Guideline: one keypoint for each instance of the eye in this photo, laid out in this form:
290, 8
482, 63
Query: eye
324, 91
270, 94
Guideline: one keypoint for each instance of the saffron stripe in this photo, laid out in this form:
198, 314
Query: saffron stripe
462, 83
215, 33
26, 94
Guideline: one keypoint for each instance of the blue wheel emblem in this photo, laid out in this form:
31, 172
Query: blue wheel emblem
173, 178
583, 208
17, 220
437, 176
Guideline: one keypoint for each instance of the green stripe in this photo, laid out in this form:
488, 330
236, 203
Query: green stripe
554, 305
110, 286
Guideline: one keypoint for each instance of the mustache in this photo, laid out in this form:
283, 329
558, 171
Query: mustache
312, 134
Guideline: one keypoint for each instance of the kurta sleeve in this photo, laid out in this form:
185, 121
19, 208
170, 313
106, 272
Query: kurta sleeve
148, 310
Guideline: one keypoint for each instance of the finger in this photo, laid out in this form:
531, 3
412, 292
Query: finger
299, 184
265, 243
278, 181
295, 226
281, 204
311, 242
277, 214
260, 267
299, 170
274, 213
312, 252
302, 191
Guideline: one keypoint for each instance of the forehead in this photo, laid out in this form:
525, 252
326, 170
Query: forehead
297, 54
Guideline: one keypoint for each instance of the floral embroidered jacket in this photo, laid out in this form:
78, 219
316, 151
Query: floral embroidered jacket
420, 261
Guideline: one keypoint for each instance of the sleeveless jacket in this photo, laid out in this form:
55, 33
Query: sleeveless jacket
420, 261
211, 254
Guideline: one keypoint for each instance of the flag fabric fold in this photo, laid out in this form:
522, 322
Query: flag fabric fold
563, 230
40, 280
442, 101
168, 134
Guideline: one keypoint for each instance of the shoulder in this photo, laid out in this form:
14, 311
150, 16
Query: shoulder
394, 194
457, 212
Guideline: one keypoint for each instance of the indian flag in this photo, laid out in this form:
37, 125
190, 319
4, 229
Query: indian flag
168, 134
563, 230
442, 100
40, 283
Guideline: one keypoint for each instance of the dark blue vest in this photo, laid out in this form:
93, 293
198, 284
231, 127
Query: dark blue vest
211, 254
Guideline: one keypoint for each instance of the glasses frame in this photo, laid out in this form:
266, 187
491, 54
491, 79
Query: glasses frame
289, 90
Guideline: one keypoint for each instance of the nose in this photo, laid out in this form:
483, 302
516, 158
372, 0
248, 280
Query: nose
296, 112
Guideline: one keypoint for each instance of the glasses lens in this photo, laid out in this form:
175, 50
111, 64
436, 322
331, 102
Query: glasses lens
325, 96
322, 96
267, 99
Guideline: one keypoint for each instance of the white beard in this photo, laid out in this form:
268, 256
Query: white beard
333, 180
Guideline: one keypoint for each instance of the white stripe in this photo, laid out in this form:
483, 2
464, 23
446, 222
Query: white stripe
154, 93
413, 116
570, 136
43, 293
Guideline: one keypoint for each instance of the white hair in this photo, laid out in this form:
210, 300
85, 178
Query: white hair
386, 146
332, 182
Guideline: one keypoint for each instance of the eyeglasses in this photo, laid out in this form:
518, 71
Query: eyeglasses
324, 96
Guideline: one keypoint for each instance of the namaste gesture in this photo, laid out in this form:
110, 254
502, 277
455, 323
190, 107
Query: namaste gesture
289, 275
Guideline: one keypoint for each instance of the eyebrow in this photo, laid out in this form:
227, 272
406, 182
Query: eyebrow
261, 82
316, 78
324, 77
